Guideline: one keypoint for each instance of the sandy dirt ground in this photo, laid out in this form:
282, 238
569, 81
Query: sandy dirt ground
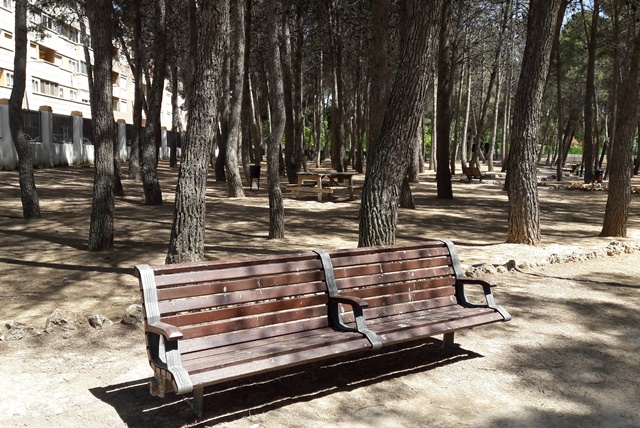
569, 357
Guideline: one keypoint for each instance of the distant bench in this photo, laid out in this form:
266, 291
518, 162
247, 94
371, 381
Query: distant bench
212, 322
473, 172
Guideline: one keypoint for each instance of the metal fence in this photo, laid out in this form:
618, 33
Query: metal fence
62, 128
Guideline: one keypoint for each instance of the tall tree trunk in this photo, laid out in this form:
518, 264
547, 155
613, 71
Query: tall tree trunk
560, 142
104, 132
189, 218
276, 205
590, 94
524, 216
446, 74
380, 70
247, 101
298, 107
287, 76
176, 123
28, 192
494, 133
135, 172
379, 206
338, 151
234, 181
465, 127
152, 134
616, 214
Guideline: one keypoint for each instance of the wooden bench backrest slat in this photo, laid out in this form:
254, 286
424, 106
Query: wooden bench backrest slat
387, 267
231, 312
171, 307
216, 273
206, 342
343, 259
252, 322
444, 285
227, 286
386, 278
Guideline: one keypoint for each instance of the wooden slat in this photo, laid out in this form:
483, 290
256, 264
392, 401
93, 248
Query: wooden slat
227, 286
239, 272
211, 301
407, 291
228, 313
388, 267
239, 371
362, 258
254, 322
385, 278
200, 343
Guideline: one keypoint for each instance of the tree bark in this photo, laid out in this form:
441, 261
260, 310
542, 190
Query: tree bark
234, 181
276, 205
28, 192
189, 218
153, 129
104, 133
446, 73
387, 168
589, 96
135, 172
523, 213
616, 214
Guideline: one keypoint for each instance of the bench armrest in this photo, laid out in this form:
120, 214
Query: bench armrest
170, 332
488, 295
350, 300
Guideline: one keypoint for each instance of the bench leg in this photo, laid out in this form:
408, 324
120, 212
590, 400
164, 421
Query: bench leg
448, 341
198, 395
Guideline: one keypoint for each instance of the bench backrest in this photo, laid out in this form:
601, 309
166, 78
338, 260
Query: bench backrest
398, 279
223, 303
472, 171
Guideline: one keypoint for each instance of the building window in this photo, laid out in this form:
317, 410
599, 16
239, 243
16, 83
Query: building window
73, 66
116, 104
61, 93
123, 82
7, 4
83, 67
48, 88
35, 86
8, 79
84, 96
123, 106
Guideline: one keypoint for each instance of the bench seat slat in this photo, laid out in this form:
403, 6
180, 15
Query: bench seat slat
253, 351
281, 362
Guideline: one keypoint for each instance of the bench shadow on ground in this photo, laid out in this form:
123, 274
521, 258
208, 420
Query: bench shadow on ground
234, 400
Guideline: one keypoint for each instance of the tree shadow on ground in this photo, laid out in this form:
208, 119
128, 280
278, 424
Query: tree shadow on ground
234, 400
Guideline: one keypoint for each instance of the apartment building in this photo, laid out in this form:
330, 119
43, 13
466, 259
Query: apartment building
57, 71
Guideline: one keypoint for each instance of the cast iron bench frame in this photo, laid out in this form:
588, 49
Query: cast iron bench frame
211, 322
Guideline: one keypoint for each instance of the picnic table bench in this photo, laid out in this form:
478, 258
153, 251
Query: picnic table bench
472, 172
323, 183
211, 322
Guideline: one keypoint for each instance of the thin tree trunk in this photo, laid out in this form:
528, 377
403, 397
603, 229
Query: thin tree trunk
387, 168
234, 134
103, 206
590, 94
446, 74
176, 123
276, 205
523, 213
135, 172
187, 234
28, 192
152, 134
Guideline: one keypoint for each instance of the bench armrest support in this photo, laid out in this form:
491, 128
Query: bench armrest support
488, 295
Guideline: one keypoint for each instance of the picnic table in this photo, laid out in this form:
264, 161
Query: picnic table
323, 182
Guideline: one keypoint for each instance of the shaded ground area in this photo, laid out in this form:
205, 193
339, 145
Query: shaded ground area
568, 358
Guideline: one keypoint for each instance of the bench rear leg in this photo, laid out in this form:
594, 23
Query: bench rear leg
448, 341
198, 395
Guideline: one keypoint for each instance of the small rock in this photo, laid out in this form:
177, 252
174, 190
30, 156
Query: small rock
501, 269
133, 315
99, 321
64, 321
16, 331
488, 269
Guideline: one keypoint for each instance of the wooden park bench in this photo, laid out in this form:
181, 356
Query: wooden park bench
211, 322
472, 172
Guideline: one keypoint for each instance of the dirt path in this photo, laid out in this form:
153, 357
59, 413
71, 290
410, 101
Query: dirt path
568, 358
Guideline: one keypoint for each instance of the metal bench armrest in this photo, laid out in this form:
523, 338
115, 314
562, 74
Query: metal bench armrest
488, 295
